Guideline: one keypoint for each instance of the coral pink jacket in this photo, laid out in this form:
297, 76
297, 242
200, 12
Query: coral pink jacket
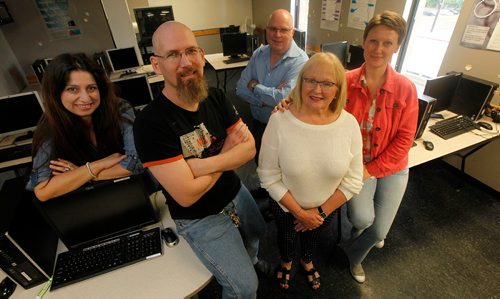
395, 119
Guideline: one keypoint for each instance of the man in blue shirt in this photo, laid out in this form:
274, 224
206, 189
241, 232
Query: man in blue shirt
272, 71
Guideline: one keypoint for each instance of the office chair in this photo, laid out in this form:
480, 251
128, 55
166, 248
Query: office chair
338, 48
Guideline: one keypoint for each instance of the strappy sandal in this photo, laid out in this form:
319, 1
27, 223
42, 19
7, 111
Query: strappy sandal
283, 281
314, 282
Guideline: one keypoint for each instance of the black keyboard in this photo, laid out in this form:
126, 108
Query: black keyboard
15, 152
235, 59
77, 265
453, 126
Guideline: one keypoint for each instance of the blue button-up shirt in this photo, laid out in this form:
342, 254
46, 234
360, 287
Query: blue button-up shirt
265, 95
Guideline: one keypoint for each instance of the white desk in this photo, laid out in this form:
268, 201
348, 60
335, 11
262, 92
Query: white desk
141, 70
178, 273
418, 154
217, 63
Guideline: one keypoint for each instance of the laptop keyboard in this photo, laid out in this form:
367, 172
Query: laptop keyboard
77, 265
453, 126
15, 152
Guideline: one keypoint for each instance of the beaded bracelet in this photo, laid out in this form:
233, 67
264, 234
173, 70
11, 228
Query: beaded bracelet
90, 171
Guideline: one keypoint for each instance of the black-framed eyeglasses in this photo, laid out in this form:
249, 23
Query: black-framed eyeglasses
175, 56
275, 30
311, 83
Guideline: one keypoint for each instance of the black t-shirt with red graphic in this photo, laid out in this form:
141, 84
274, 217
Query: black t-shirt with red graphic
164, 133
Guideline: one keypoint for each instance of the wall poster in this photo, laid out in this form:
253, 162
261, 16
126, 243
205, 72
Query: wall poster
59, 19
483, 29
330, 14
360, 12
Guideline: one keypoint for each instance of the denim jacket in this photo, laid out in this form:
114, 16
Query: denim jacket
41, 161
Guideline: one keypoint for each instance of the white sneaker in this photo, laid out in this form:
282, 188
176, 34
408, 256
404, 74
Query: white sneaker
380, 244
357, 273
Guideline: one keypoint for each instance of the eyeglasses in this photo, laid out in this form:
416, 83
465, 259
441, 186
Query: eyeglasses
311, 83
275, 30
175, 56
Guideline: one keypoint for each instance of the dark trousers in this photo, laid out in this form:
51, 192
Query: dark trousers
287, 236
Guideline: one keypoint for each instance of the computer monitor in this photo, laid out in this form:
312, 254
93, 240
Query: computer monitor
442, 89
472, 96
149, 18
123, 59
135, 89
97, 212
229, 29
299, 37
355, 57
19, 113
234, 44
337, 48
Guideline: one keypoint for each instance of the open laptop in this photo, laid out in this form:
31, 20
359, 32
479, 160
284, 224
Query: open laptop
113, 218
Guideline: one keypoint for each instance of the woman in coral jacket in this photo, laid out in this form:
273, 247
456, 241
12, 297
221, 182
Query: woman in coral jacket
385, 103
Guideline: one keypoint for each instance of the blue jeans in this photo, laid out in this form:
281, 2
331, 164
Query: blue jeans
372, 212
226, 253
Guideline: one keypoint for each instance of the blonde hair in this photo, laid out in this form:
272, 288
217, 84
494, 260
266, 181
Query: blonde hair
337, 70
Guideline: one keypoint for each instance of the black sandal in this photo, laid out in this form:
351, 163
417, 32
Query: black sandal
283, 281
313, 281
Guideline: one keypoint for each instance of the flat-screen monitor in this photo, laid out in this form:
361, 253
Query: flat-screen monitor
135, 89
98, 212
337, 48
355, 57
123, 59
19, 113
149, 18
299, 37
472, 96
229, 29
442, 89
234, 44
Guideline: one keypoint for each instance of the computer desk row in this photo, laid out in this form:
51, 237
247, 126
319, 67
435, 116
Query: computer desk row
177, 273
217, 62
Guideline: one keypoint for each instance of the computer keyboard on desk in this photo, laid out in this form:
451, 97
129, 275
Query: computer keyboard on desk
77, 265
236, 59
15, 152
453, 126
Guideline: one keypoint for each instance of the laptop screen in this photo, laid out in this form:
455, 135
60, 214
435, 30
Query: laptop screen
94, 213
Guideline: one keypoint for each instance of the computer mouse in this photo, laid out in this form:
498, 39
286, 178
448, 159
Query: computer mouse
7, 287
170, 237
428, 145
485, 125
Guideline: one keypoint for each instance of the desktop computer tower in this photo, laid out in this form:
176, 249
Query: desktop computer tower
299, 37
102, 61
27, 243
425, 108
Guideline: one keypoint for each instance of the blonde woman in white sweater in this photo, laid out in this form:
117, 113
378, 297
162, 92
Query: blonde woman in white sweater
310, 162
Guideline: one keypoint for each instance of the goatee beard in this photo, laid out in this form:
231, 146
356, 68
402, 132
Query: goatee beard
193, 90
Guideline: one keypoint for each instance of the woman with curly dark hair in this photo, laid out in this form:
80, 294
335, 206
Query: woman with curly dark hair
85, 132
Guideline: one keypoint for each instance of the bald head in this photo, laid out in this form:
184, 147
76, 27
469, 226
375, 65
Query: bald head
172, 34
279, 32
282, 16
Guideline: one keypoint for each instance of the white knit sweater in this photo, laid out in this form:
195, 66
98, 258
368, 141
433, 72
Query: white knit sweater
311, 161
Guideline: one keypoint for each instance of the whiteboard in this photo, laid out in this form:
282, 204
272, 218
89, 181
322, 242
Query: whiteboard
207, 14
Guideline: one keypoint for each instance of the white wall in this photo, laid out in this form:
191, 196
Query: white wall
11, 80
120, 24
208, 14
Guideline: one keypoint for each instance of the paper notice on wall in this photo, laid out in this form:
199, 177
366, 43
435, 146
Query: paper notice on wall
330, 14
494, 43
482, 30
360, 12
60, 18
